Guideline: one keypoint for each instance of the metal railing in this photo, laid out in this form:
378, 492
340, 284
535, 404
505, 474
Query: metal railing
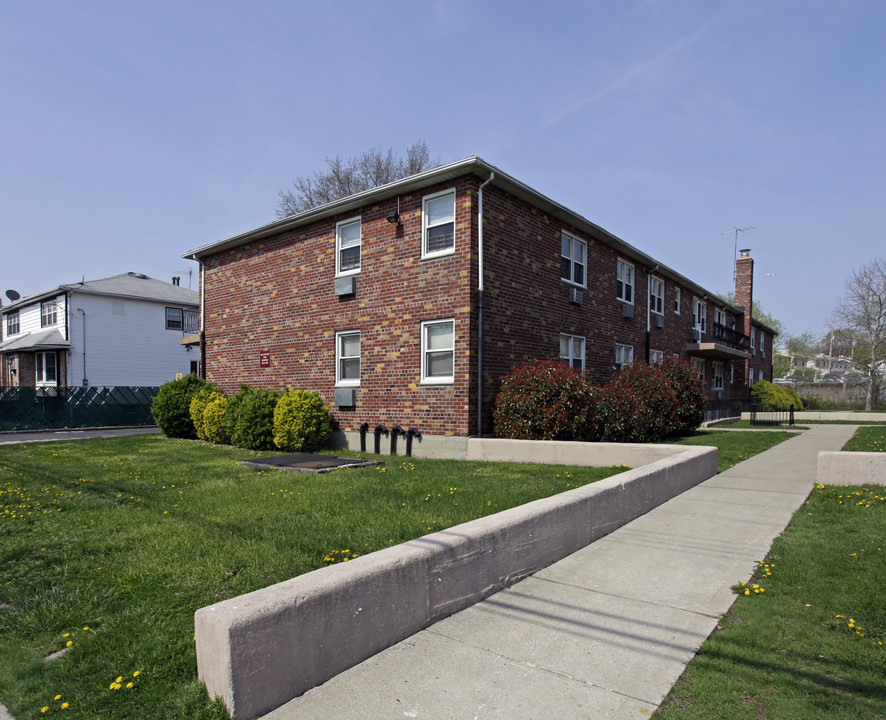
190, 322
24, 408
722, 409
772, 414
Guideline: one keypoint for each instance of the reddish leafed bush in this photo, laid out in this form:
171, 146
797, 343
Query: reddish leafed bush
689, 389
544, 400
655, 414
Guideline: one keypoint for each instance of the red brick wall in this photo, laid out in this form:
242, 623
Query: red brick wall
277, 295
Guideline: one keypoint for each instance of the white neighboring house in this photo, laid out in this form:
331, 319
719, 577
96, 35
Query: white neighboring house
122, 330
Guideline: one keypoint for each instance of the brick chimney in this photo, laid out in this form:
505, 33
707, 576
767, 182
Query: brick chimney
744, 286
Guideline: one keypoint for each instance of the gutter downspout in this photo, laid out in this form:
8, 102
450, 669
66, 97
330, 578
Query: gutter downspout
480, 305
83, 313
202, 372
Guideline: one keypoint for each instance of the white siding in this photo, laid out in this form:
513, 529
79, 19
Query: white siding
29, 318
127, 342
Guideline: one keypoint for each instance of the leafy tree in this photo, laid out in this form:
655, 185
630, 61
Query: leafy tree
758, 313
791, 362
859, 322
341, 178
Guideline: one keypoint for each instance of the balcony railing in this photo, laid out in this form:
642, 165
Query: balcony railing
190, 322
723, 335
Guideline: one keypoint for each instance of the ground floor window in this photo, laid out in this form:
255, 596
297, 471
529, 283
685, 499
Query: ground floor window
47, 372
698, 366
718, 376
572, 350
438, 352
347, 358
624, 355
656, 357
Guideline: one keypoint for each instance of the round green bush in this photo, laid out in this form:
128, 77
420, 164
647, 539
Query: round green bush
301, 421
689, 390
214, 429
249, 418
198, 404
773, 397
171, 407
544, 400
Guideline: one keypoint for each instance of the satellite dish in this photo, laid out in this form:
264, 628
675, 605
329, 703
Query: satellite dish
12, 295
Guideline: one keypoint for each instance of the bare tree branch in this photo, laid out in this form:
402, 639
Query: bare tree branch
342, 178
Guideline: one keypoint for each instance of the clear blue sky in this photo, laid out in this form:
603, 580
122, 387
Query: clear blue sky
135, 131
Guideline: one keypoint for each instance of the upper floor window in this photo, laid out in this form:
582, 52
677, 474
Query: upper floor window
699, 316
438, 352
625, 276
753, 339
47, 372
48, 313
347, 247
347, 358
438, 224
720, 317
624, 355
572, 350
12, 326
174, 319
762, 343
573, 259
656, 295
676, 301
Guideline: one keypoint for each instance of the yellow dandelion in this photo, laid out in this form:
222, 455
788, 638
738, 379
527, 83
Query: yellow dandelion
64, 706
57, 697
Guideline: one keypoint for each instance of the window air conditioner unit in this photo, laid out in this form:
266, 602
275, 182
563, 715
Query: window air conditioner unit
627, 310
576, 296
345, 397
659, 321
345, 285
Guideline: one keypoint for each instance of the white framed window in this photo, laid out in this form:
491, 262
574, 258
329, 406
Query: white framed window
753, 339
572, 350
699, 316
347, 358
656, 295
718, 375
760, 374
698, 366
625, 277
751, 378
676, 301
347, 246
12, 323
720, 316
438, 352
624, 355
762, 344
47, 371
731, 373
48, 313
573, 259
656, 357
174, 319
438, 224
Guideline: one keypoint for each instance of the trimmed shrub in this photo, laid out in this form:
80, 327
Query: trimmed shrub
171, 407
772, 396
614, 415
688, 388
302, 422
655, 415
198, 404
544, 400
249, 418
214, 427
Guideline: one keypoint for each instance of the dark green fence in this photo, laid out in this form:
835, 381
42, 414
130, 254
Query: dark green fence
75, 407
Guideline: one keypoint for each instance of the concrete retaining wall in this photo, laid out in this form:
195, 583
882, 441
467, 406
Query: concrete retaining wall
260, 650
851, 468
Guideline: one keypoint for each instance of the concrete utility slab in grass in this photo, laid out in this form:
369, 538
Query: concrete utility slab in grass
602, 634
307, 462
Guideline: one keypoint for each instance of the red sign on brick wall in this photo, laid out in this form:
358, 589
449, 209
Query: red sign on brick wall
264, 358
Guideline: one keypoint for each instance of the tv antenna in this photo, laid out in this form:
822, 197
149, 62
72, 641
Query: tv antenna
736, 230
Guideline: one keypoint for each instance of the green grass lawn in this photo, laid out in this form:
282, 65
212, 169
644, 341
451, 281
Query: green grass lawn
867, 439
811, 643
733, 447
110, 545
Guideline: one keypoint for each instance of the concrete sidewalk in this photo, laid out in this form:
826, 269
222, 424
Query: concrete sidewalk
605, 632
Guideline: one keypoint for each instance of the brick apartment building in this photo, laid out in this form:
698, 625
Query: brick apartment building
407, 304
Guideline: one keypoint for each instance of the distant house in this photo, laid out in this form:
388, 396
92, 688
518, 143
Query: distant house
407, 304
122, 330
